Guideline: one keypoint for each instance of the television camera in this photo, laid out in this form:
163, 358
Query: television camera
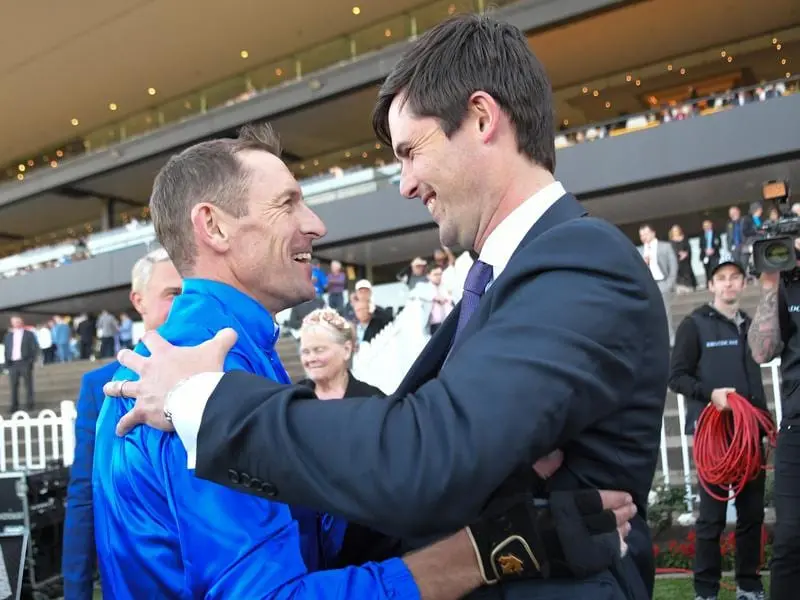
774, 249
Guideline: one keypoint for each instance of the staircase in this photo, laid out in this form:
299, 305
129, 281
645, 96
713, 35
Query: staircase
681, 307
289, 353
51, 383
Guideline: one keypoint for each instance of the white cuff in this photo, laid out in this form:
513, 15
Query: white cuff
187, 402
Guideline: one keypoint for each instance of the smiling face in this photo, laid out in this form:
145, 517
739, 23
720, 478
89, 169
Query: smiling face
269, 248
322, 356
443, 172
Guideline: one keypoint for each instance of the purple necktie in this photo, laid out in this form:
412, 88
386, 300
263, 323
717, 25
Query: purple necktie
479, 276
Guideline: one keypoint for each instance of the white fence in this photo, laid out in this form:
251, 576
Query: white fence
30, 443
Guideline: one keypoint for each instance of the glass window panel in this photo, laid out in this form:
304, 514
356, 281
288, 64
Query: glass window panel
274, 74
325, 55
428, 16
382, 35
227, 93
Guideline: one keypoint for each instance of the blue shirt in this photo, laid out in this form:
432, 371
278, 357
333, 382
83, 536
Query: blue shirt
163, 533
79, 554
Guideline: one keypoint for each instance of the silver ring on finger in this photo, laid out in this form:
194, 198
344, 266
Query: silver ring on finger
122, 388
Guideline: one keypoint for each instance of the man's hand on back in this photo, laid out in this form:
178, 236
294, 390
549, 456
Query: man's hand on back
161, 372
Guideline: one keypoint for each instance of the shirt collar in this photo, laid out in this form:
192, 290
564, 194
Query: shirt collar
254, 318
508, 235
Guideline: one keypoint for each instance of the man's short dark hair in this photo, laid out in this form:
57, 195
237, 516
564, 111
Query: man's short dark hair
466, 54
206, 172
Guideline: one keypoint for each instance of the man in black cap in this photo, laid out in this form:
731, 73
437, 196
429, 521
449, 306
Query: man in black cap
710, 360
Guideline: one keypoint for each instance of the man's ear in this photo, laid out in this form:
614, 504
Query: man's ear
136, 300
211, 226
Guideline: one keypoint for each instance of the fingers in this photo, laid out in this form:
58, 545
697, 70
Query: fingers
220, 345
625, 513
612, 499
130, 420
115, 389
135, 362
155, 343
546, 466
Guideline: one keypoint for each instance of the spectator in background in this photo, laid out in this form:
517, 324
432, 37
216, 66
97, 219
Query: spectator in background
319, 277
107, 329
125, 332
710, 245
336, 286
663, 263
84, 327
44, 335
417, 273
686, 281
736, 235
62, 338
437, 301
154, 283
369, 323
21, 350
364, 292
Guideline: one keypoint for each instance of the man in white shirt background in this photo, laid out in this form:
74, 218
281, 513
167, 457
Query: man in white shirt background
660, 257
21, 350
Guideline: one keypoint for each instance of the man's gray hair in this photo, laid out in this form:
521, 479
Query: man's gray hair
206, 172
143, 269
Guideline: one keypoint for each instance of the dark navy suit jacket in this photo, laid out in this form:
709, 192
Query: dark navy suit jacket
568, 349
79, 558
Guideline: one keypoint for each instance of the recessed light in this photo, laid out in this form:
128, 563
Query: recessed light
112, 106
244, 54
387, 33
75, 122
778, 47
356, 10
151, 91
21, 168
53, 164
20, 176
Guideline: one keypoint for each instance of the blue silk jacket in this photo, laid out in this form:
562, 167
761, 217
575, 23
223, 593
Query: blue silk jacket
163, 533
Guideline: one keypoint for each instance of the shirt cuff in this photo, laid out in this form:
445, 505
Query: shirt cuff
186, 403
398, 581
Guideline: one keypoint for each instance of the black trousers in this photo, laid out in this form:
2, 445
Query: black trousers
708, 529
21, 369
785, 567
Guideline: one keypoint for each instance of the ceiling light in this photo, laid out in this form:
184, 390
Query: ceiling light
628, 77
302, 167
595, 93
778, 47
316, 162
638, 82
244, 54
75, 122
783, 61
59, 153
730, 59
278, 71
585, 90
788, 74
723, 54
20, 176
608, 104
21, 168
347, 154
774, 41
53, 163
151, 91
356, 10
387, 33
669, 67
377, 146
112, 106
364, 155
30, 162
683, 71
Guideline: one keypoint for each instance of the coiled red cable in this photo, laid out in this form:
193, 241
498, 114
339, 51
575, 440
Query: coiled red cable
727, 445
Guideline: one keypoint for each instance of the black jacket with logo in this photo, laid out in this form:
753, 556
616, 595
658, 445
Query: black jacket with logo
711, 352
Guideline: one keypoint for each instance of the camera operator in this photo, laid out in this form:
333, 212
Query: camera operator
711, 359
775, 331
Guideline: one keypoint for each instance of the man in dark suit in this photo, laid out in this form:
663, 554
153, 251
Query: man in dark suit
154, 284
710, 245
21, 350
560, 340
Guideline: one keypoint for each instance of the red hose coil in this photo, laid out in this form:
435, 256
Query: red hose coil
727, 445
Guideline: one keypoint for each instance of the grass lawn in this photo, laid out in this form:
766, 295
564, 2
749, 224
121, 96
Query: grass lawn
682, 589
666, 589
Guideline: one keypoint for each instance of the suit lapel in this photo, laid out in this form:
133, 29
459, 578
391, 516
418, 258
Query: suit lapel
432, 357
565, 209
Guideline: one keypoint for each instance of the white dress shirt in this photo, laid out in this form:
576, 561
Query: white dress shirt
651, 254
16, 344
187, 401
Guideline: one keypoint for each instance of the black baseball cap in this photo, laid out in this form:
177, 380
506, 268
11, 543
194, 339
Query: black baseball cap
726, 263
